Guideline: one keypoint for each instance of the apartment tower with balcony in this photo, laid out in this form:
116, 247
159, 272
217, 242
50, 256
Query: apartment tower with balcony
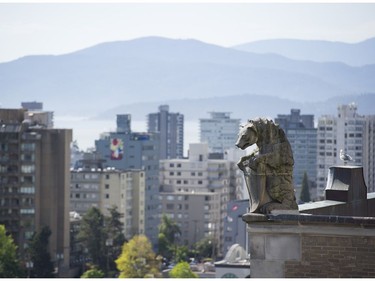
34, 181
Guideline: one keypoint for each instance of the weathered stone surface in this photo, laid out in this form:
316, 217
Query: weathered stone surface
269, 171
266, 269
283, 247
257, 246
254, 217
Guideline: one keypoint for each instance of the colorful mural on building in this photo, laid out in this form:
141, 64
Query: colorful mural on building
117, 149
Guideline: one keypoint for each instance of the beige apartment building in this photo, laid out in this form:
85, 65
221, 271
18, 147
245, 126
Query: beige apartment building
126, 190
194, 193
95, 186
34, 182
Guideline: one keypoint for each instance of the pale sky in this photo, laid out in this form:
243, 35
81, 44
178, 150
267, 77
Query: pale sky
53, 28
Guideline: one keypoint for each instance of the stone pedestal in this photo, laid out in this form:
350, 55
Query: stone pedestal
311, 246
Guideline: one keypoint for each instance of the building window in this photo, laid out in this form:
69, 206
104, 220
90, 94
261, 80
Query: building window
107, 196
107, 186
28, 169
27, 211
170, 206
27, 190
28, 146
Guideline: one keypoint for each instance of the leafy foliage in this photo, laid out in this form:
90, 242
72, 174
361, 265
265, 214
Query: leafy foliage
114, 232
103, 238
8, 256
182, 270
181, 254
93, 273
92, 236
169, 228
305, 192
137, 259
43, 266
204, 248
168, 232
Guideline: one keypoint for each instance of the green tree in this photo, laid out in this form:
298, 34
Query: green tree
182, 270
137, 259
305, 190
181, 254
93, 273
205, 247
93, 236
114, 227
169, 228
39, 254
168, 232
114, 237
9, 267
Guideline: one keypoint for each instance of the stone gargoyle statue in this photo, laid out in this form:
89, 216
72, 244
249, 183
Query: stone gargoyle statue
269, 170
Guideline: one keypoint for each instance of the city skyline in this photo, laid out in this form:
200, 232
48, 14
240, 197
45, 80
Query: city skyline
42, 28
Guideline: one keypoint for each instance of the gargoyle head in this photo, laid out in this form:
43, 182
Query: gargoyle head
247, 136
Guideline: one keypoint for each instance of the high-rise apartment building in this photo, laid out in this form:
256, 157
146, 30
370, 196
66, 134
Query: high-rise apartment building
92, 185
34, 182
36, 114
302, 136
126, 150
369, 153
346, 132
195, 193
219, 131
170, 127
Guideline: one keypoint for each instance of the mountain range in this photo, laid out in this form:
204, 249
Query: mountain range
354, 54
122, 76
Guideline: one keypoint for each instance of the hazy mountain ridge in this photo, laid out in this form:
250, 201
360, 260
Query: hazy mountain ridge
355, 54
156, 69
244, 107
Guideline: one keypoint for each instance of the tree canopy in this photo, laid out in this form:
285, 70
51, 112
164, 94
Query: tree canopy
137, 259
114, 237
8, 256
103, 237
168, 232
93, 273
205, 247
92, 236
39, 254
182, 270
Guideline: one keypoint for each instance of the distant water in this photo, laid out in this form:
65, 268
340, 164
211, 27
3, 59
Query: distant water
87, 130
